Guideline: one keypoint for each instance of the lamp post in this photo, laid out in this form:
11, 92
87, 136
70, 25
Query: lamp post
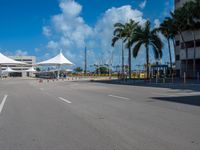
0, 71
85, 70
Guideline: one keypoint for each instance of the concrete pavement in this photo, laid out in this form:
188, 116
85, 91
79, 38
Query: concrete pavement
95, 116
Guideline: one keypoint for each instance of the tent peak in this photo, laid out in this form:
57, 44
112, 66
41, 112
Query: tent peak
59, 59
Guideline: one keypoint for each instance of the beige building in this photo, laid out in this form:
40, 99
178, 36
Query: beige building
180, 53
20, 69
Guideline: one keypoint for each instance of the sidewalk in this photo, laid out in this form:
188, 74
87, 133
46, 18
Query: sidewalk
177, 84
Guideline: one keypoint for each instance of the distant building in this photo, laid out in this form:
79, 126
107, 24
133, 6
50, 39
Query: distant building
180, 53
20, 70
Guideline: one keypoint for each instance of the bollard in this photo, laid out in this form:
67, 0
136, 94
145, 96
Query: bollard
184, 76
40, 80
163, 80
156, 78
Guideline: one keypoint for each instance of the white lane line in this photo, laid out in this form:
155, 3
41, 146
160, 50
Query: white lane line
115, 96
3, 102
65, 100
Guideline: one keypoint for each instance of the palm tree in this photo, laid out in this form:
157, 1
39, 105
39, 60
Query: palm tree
118, 35
166, 29
129, 31
124, 32
149, 38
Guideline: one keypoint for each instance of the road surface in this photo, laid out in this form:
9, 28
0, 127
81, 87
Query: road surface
95, 116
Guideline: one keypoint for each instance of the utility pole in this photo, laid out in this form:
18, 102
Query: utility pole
85, 70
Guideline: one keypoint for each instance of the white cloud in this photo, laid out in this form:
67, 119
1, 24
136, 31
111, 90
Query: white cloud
21, 53
46, 31
37, 49
104, 27
143, 4
52, 45
71, 33
156, 23
70, 8
72, 28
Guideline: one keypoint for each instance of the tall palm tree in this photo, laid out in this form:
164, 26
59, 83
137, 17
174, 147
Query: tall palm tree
118, 34
129, 31
149, 38
125, 32
166, 28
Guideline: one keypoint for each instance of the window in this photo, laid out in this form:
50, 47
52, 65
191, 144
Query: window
177, 43
190, 44
177, 57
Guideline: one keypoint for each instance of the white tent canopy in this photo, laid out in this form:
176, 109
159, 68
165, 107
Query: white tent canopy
8, 70
60, 59
4, 60
30, 70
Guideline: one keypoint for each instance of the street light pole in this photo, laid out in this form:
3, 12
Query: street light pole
85, 70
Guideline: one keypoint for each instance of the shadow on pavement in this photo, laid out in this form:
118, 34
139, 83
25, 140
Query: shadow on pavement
190, 100
143, 83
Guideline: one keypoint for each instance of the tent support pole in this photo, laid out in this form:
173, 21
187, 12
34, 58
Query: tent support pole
59, 68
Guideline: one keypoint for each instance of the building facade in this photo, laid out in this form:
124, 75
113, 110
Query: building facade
21, 69
180, 52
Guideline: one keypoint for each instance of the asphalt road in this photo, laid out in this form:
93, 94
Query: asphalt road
95, 116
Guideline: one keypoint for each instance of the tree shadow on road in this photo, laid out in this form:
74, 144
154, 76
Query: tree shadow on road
143, 83
190, 100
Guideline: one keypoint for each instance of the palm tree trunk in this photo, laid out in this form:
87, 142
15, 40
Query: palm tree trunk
173, 40
147, 60
186, 52
129, 61
194, 54
170, 55
122, 60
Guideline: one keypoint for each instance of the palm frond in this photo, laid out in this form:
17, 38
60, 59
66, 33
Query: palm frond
119, 25
118, 31
114, 40
136, 48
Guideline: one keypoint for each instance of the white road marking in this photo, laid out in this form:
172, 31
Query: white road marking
3, 102
65, 100
115, 96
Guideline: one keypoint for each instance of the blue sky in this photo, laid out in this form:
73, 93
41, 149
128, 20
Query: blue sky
40, 27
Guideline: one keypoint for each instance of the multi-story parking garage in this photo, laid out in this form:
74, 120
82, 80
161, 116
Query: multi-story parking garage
180, 52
